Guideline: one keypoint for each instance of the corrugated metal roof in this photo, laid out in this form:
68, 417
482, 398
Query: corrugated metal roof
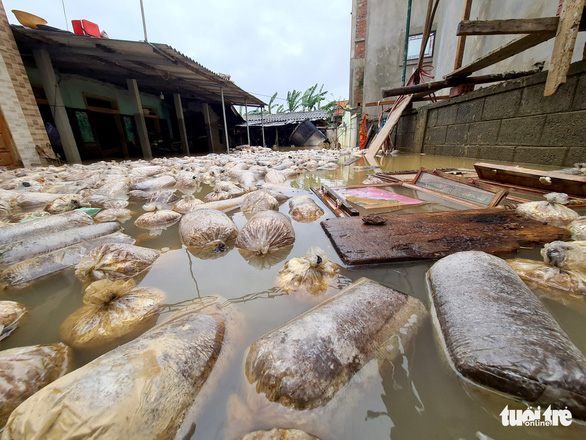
156, 67
279, 119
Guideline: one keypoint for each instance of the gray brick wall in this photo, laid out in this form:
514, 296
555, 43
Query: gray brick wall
509, 121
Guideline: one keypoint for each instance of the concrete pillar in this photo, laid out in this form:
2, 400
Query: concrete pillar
208, 122
53, 93
143, 135
181, 123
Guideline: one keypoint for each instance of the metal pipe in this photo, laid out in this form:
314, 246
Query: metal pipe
407, 26
247, 128
225, 122
143, 22
262, 125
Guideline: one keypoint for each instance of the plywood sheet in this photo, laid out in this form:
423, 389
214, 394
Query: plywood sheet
435, 235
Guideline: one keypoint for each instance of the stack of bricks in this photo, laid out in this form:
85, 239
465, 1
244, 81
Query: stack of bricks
17, 99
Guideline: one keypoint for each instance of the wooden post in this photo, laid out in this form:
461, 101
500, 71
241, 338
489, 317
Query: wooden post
181, 123
462, 39
563, 46
207, 120
53, 92
143, 135
247, 126
226, 135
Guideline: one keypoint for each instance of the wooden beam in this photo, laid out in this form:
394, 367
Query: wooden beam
438, 85
392, 101
505, 27
563, 46
462, 39
514, 47
392, 120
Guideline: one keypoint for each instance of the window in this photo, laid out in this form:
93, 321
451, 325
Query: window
100, 103
414, 46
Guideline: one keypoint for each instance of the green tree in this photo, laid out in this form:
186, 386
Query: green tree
311, 99
272, 102
293, 100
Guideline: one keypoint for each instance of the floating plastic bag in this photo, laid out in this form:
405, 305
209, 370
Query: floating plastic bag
496, 333
563, 269
266, 231
112, 309
217, 196
275, 177
11, 313
304, 210
65, 203
279, 434
187, 182
551, 211
312, 272
209, 230
112, 215
156, 222
578, 228
163, 199
187, 204
258, 201
115, 261
25, 370
140, 390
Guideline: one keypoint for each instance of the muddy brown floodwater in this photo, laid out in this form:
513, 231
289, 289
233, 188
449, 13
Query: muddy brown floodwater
414, 396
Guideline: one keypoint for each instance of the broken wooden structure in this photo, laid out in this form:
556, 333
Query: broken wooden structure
435, 235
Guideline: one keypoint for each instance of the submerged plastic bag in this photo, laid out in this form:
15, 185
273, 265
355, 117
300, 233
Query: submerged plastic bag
25, 370
551, 211
304, 210
163, 199
11, 313
563, 268
112, 309
209, 230
279, 434
140, 390
312, 272
115, 261
578, 228
266, 231
258, 201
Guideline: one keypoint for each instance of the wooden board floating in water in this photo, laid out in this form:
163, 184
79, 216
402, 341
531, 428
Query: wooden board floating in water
435, 235
544, 180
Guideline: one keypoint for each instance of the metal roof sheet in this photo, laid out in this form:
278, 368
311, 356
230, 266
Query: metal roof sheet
156, 67
279, 119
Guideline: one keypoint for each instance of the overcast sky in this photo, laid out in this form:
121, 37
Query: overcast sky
267, 46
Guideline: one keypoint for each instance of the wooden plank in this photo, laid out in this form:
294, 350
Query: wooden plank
510, 26
434, 235
514, 47
462, 39
563, 46
545, 180
392, 101
392, 120
331, 204
438, 85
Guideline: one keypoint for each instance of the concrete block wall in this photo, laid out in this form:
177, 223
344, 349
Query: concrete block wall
17, 99
509, 121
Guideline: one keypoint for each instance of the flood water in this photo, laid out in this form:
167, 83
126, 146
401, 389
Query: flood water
413, 396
